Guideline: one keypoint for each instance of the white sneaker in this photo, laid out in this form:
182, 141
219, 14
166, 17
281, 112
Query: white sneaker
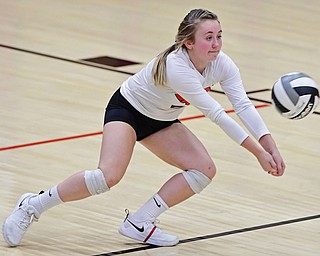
16, 225
146, 232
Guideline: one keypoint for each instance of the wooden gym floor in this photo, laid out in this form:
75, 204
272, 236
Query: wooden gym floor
60, 61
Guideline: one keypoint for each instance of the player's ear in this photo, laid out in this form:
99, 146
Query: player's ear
188, 44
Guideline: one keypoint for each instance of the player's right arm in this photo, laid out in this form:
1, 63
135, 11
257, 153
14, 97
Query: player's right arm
264, 158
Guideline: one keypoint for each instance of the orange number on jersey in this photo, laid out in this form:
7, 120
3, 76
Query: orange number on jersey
182, 100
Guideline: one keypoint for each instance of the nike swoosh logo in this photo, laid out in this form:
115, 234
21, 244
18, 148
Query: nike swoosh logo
159, 205
175, 106
136, 227
50, 193
21, 203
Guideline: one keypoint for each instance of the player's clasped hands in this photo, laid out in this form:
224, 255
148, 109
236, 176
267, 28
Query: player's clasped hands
271, 163
280, 165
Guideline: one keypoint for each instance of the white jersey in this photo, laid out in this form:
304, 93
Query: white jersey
185, 85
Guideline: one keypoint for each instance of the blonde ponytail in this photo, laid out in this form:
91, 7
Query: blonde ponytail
159, 68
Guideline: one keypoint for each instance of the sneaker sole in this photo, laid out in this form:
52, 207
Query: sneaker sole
5, 237
150, 241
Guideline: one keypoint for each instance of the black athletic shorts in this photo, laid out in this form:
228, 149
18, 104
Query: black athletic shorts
119, 109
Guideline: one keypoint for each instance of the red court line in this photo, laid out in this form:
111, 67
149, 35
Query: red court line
99, 133
49, 141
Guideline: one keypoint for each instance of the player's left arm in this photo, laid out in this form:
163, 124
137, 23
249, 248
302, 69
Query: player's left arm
234, 89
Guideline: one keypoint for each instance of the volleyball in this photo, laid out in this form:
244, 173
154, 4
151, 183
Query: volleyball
295, 95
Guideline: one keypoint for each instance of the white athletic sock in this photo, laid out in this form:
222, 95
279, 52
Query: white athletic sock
151, 209
46, 200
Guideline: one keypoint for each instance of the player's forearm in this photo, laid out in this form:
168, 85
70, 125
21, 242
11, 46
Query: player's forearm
268, 143
252, 146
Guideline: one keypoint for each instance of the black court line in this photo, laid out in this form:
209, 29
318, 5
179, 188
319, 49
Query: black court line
251, 98
256, 99
257, 91
118, 71
85, 63
206, 237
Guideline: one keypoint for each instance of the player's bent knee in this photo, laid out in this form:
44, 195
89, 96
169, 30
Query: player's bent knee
95, 182
196, 180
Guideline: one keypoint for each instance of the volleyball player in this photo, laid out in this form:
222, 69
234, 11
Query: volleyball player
146, 109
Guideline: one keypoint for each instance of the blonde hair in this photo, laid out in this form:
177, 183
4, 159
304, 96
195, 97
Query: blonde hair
186, 32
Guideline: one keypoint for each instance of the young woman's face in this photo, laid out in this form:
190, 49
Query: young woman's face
207, 43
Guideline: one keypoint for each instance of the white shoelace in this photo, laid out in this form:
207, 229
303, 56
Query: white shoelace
28, 218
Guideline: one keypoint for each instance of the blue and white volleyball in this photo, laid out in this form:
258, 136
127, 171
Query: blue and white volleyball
295, 95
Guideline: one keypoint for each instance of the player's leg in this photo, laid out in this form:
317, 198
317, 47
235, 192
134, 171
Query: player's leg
177, 146
116, 150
